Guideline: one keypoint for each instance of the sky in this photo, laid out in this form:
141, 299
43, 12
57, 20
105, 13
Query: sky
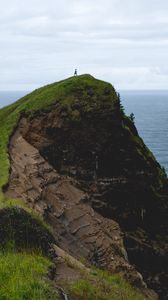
124, 42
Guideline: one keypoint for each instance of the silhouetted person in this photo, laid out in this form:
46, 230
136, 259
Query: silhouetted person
75, 73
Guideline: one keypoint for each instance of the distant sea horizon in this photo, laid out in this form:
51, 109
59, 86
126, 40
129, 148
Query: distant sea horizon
150, 108
8, 97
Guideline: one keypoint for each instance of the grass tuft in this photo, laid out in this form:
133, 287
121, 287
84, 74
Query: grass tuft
23, 276
19, 203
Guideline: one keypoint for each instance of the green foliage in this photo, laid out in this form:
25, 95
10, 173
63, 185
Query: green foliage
163, 170
83, 89
132, 117
22, 273
9, 203
23, 277
119, 104
103, 286
24, 230
14, 203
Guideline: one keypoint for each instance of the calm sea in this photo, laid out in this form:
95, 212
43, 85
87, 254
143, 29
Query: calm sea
151, 117
10, 96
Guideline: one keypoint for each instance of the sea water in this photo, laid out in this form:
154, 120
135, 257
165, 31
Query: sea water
7, 97
150, 109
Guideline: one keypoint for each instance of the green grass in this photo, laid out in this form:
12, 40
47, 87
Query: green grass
13, 203
23, 277
103, 286
7, 203
66, 93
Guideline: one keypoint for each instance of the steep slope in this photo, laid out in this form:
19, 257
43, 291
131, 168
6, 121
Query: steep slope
79, 161
63, 92
77, 228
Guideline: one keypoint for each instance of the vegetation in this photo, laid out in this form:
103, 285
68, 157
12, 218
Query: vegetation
120, 107
24, 230
23, 277
19, 203
8, 203
103, 286
23, 274
84, 88
132, 117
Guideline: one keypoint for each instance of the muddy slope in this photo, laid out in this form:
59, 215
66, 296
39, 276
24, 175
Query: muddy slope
87, 173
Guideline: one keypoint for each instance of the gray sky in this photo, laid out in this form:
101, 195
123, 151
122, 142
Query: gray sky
121, 41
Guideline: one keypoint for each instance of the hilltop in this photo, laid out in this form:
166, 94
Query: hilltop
63, 92
70, 155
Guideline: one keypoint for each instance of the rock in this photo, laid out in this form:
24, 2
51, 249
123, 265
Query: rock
58, 157
77, 228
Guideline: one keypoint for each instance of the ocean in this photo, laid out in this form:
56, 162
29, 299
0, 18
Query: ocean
7, 97
150, 109
151, 119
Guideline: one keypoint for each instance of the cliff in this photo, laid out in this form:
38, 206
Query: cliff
78, 161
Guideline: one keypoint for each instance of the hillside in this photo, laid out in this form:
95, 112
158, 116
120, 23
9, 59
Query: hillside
62, 92
76, 161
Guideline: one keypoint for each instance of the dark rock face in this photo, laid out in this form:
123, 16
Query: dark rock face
116, 174
77, 228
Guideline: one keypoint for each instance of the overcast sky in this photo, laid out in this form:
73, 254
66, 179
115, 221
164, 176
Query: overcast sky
121, 41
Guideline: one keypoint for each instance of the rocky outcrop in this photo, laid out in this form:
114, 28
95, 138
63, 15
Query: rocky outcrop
77, 227
84, 167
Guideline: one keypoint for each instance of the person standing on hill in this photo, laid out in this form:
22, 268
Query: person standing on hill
75, 73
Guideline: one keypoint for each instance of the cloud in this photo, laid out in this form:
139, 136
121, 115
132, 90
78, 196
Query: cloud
122, 41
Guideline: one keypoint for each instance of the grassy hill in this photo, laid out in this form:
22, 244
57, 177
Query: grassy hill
64, 92
23, 273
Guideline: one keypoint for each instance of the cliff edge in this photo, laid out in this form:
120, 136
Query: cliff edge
77, 160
